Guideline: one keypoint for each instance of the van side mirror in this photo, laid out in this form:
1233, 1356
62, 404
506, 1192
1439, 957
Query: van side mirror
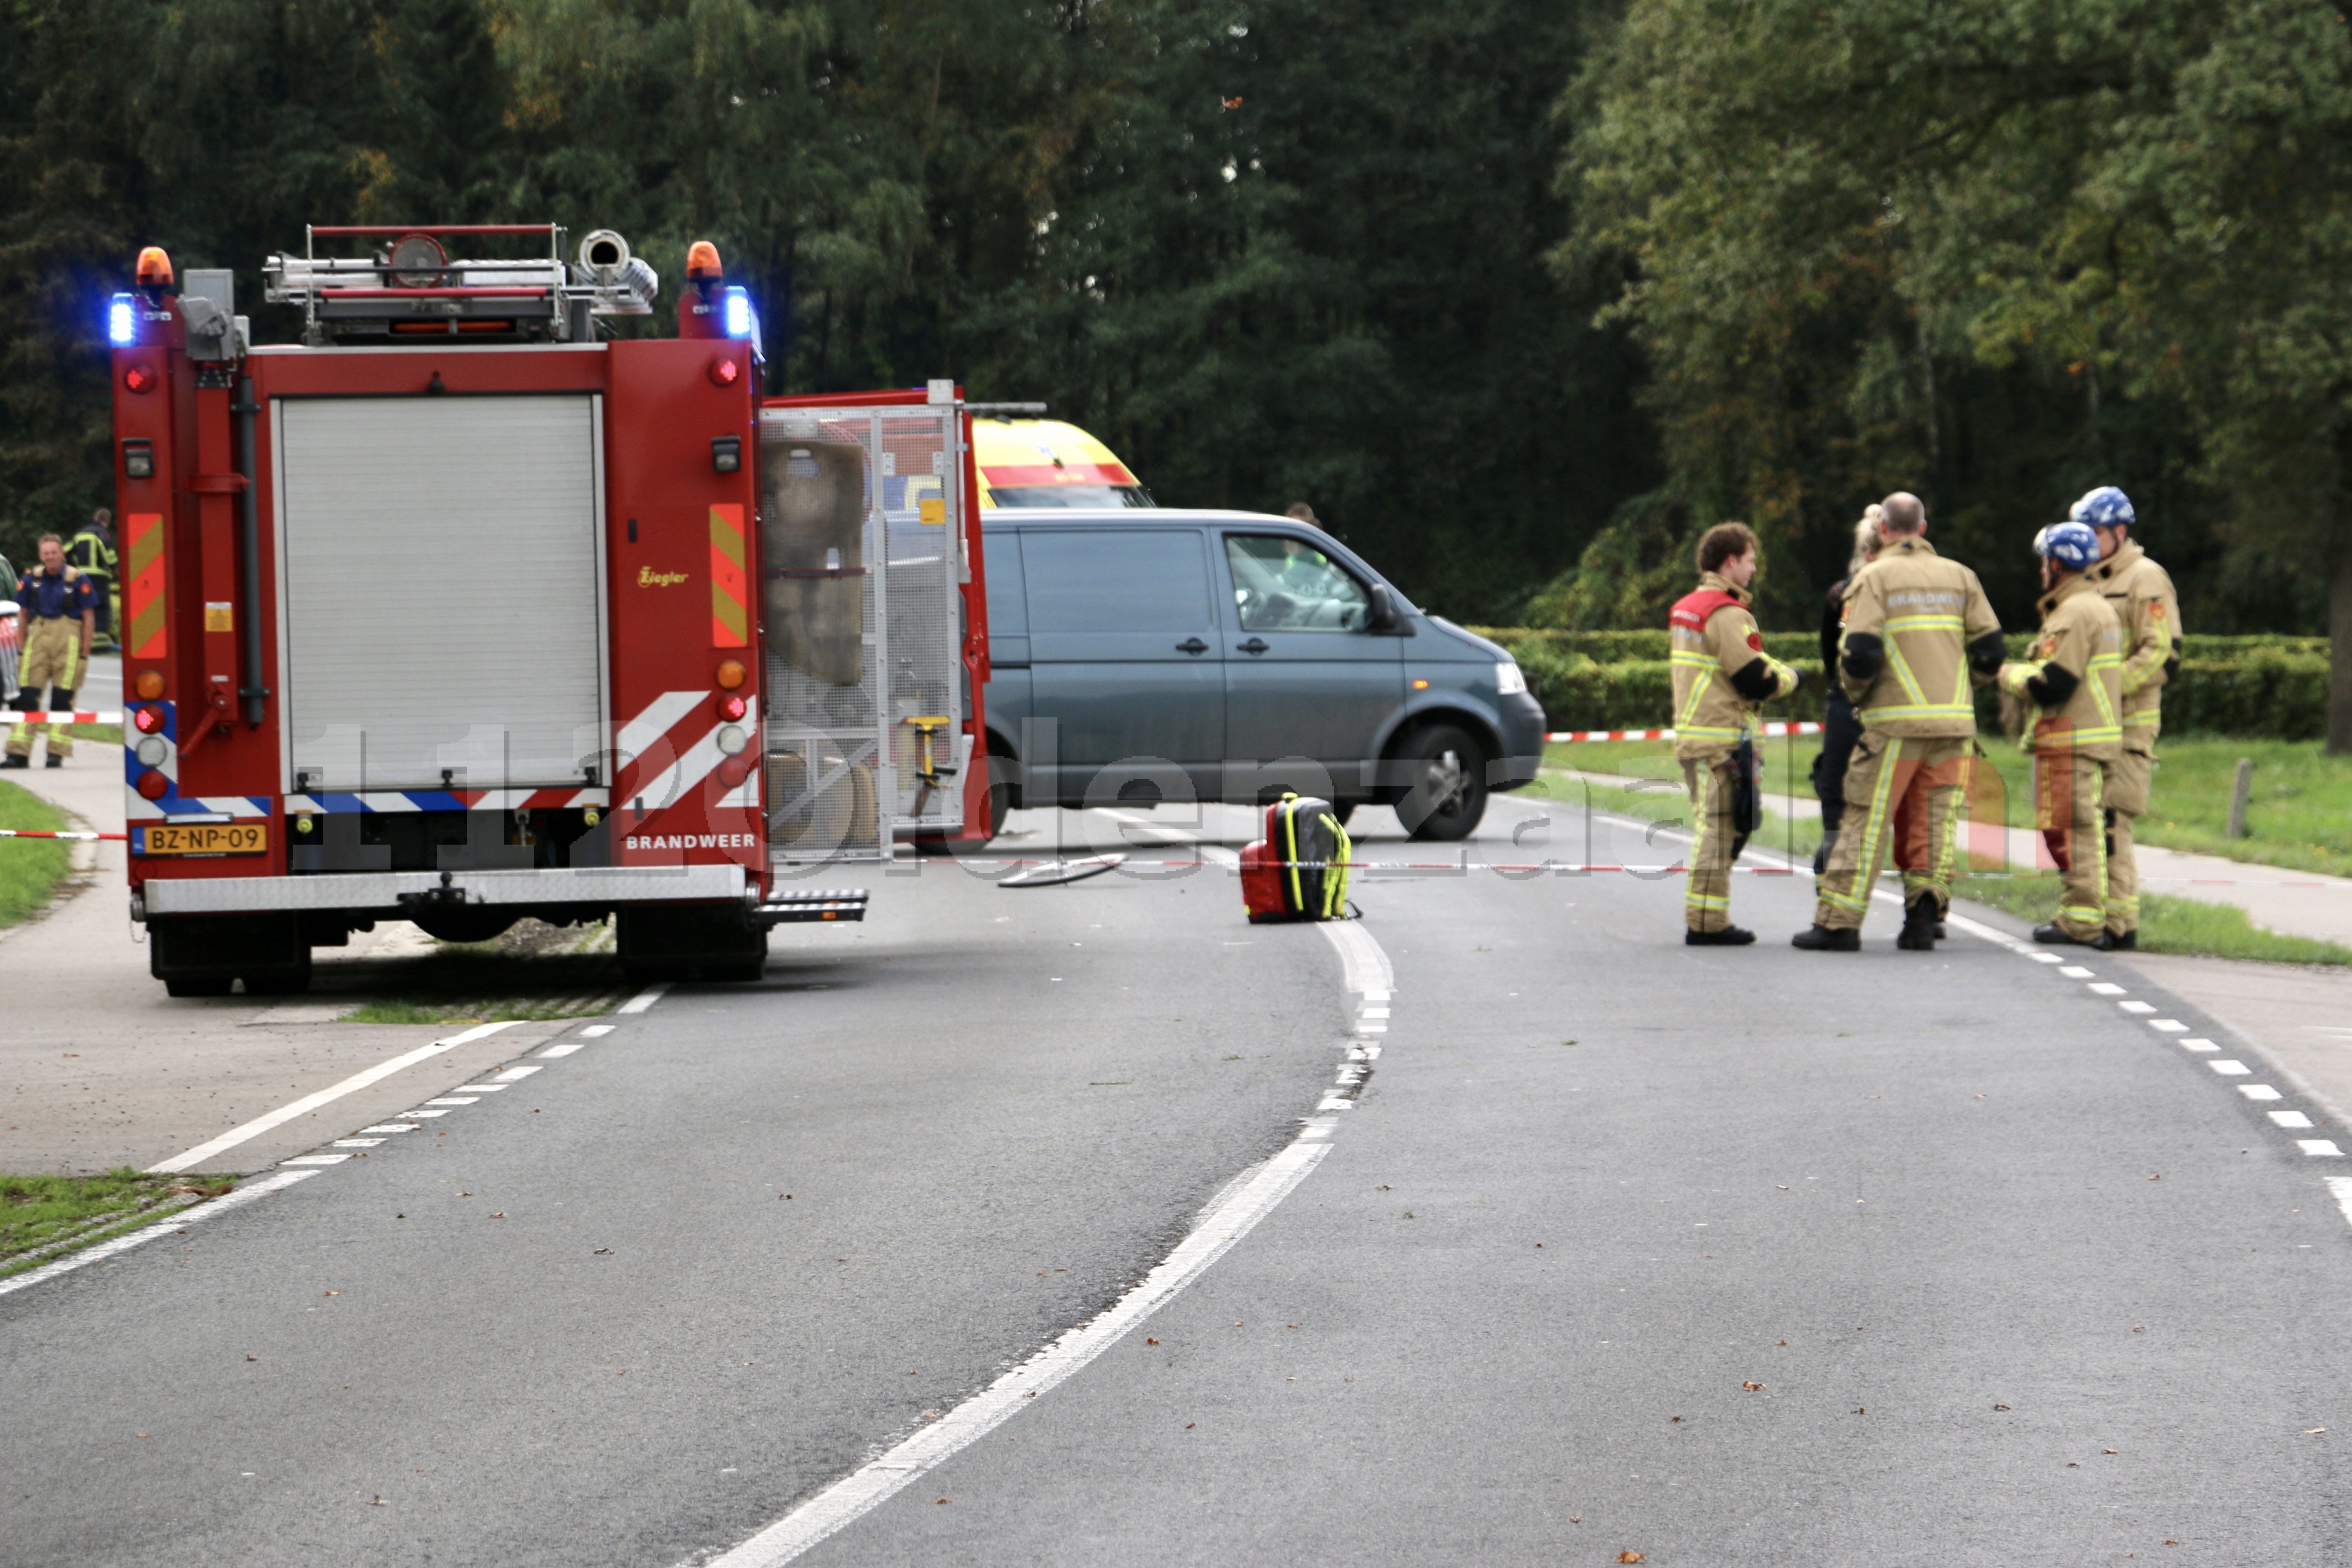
1384, 620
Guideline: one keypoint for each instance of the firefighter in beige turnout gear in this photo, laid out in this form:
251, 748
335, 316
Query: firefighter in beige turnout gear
1919, 635
2074, 682
2142, 595
1722, 679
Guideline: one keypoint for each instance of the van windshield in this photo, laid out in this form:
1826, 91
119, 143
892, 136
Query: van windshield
1282, 584
1082, 497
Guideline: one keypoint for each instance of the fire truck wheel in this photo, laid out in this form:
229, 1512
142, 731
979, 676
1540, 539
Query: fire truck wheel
1001, 772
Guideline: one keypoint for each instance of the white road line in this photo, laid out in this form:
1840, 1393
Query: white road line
2076, 972
2198, 1045
452, 1100
316, 1159
484, 1087
2260, 1091
391, 1127
2290, 1117
2229, 1066
2341, 1186
644, 999
594, 1031
2142, 1007
357, 1142
2107, 988
2170, 1025
515, 1073
565, 1049
1366, 969
428, 1112
310, 1102
2322, 1148
871, 1484
168, 1226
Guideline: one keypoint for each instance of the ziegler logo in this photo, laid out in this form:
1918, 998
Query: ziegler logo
649, 578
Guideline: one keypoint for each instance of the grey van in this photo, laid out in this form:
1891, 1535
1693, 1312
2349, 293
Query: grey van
1218, 656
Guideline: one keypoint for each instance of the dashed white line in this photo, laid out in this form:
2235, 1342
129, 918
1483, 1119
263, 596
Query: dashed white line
2076, 972
2168, 1025
2196, 1044
310, 1102
2105, 988
2322, 1148
2290, 1117
452, 1100
316, 1159
515, 1074
357, 1142
2136, 1006
564, 1049
595, 1030
2229, 1066
2259, 1091
644, 999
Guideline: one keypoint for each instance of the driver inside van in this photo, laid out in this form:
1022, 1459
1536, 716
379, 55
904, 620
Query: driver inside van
1284, 584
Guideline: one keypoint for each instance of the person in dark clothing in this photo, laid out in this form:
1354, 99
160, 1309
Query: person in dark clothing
1840, 728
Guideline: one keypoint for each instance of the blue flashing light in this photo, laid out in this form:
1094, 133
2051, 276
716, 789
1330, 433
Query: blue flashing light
741, 322
122, 322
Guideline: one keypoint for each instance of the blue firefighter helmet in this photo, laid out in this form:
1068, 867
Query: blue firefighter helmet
2105, 507
2071, 544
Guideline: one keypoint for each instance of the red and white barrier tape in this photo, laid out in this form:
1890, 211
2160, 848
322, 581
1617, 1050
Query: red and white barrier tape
1774, 729
30, 833
43, 716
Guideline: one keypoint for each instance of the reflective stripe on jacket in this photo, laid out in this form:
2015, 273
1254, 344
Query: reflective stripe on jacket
2080, 634
1711, 716
1926, 610
2144, 600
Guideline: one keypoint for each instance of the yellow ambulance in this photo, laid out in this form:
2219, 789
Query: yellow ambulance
1046, 463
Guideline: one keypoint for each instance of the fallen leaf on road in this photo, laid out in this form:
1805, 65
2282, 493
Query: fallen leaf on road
1575, 1519
500, 1215
253, 1358
379, 1503
602, 1250
2001, 1407
1151, 1342
1190, 1425
1631, 1557
334, 1292
1677, 1418
2106, 1450
930, 1414
1784, 1341
2313, 1431
139, 1434
1291, 1325
2155, 1178
1753, 1387
465, 1195
1865, 1410
2139, 1329
940, 1500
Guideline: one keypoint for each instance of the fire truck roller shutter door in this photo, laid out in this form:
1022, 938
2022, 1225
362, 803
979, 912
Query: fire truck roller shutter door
441, 574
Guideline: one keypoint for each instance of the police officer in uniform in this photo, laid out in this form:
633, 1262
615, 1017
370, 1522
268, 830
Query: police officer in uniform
61, 615
2144, 600
1722, 679
91, 553
1919, 633
2074, 682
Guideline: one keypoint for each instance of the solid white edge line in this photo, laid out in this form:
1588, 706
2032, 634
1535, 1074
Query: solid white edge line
875, 1481
170, 1224
310, 1102
644, 999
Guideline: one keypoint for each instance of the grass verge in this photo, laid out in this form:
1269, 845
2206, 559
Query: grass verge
2166, 924
532, 972
43, 1217
30, 868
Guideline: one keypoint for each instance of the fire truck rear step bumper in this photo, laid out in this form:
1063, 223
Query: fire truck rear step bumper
825, 904
387, 891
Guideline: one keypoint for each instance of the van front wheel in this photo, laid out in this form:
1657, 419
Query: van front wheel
1444, 773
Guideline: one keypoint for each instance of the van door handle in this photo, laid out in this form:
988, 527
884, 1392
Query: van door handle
1256, 644
1191, 645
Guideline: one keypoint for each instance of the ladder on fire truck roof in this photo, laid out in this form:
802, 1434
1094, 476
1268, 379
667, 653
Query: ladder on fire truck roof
411, 287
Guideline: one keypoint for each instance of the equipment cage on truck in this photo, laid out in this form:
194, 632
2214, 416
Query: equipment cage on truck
461, 611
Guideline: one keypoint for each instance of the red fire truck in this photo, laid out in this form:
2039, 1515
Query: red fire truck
463, 609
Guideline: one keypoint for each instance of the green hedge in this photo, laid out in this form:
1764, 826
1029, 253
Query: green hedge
2257, 686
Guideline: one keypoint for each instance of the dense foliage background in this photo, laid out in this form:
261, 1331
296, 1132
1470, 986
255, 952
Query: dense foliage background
1519, 294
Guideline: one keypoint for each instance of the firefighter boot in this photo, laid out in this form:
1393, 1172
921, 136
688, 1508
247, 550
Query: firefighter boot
2124, 942
1822, 939
1730, 936
1920, 927
15, 759
2052, 936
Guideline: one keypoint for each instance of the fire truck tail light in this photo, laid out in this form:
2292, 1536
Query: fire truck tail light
725, 372
732, 738
149, 684
148, 719
152, 750
702, 262
154, 269
733, 707
734, 771
122, 324
139, 379
154, 785
732, 674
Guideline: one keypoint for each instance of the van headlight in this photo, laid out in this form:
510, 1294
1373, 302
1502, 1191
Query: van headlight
1509, 681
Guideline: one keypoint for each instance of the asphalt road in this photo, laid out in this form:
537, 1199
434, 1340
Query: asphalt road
2018, 1277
